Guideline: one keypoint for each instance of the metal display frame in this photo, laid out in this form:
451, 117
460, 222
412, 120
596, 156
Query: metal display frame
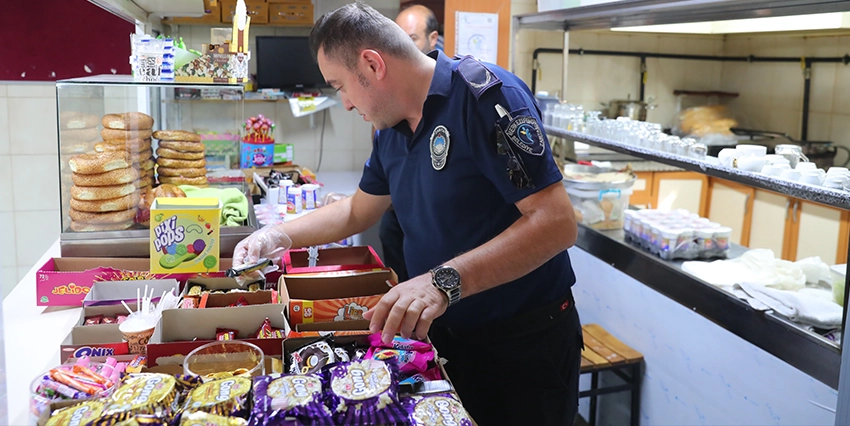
820, 359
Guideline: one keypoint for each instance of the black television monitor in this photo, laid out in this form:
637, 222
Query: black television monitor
286, 63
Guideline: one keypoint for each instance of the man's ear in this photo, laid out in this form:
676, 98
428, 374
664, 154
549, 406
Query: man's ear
432, 39
372, 63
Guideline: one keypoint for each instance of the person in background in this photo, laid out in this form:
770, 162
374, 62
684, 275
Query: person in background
461, 155
421, 25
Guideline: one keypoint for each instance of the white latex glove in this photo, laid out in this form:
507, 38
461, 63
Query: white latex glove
269, 242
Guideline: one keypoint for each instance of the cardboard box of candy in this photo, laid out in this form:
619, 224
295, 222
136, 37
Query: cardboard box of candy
332, 259
335, 296
65, 281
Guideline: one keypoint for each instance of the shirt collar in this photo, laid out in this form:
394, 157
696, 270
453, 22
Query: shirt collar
441, 83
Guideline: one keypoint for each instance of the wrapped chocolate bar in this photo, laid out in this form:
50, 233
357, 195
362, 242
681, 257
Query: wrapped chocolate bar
266, 331
196, 289
143, 420
364, 393
289, 399
399, 342
312, 357
82, 414
223, 397
436, 410
200, 418
145, 393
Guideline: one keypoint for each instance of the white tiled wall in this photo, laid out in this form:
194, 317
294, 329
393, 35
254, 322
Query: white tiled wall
29, 178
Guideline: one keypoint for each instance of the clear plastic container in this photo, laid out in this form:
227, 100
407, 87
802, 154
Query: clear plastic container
602, 209
721, 239
225, 358
39, 403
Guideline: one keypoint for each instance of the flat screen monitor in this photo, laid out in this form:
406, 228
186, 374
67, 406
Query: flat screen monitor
286, 63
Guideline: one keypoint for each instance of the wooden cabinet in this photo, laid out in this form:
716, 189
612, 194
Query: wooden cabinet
642, 191
258, 10
769, 221
212, 15
291, 14
730, 204
794, 229
680, 190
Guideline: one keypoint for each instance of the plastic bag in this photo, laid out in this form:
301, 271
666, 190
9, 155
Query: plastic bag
815, 269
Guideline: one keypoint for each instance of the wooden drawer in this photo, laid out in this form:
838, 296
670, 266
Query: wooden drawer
212, 14
258, 10
291, 14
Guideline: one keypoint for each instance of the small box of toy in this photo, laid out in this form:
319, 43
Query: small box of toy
185, 235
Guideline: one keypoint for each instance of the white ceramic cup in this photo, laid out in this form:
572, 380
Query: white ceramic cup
727, 156
804, 166
775, 169
811, 177
838, 170
790, 174
835, 182
751, 163
776, 159
748, 150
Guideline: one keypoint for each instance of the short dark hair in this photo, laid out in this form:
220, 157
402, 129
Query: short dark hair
346, 31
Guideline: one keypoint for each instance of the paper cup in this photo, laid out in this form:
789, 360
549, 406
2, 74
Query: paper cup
136, 333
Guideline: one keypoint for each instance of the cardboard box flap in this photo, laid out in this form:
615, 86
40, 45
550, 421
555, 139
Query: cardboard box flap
334, 326
94, 335
221, 283
358, 255
254, 298
76, 264
112, 292
188, 324
318, 287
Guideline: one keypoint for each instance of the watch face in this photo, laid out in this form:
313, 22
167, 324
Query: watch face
446, 278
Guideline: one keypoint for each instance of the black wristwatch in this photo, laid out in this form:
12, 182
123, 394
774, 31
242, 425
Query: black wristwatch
447, 279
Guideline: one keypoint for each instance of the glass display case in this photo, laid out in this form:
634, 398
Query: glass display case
121, 141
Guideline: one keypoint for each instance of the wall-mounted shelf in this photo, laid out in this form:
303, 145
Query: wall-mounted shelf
711, 167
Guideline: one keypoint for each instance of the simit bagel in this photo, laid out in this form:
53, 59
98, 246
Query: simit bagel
177, 135
94, 227
180, 164
177, 155
145, 165
141, 156
127, 121
133, 145
183, 146
201, 180
114, 205
181, 172
110, 217
70, 120
145, 182
114, 177
79, 135
86, 193
102, 162
124, 135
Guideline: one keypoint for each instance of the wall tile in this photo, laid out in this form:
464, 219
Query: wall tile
820, 126
5, 142
7, 240
23, 271
305, 156
823, 87
359, 159
36, 171
785, 120
840, 131
8, 280
642, 43
841, 100
7, 202
337, 161
824, 46
36, 232
3, 91
788, 89
31, 90
613, 41
32, 125
549, 39
736, 46
588, 40
551, 72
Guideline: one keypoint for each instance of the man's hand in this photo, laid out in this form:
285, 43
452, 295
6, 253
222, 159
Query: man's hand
269, 242
409, 307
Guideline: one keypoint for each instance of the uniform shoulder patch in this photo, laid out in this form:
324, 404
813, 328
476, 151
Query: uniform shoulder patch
477, 76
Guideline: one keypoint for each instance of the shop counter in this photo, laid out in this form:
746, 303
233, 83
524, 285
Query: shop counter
33, 333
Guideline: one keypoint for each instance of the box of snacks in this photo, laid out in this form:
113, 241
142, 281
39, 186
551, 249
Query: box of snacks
332, 259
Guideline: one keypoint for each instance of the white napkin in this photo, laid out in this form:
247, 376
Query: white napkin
802, 307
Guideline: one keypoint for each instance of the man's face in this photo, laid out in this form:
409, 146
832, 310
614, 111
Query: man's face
414, 26
356, 90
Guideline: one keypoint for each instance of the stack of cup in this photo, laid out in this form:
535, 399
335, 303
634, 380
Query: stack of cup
837, 178
810, 173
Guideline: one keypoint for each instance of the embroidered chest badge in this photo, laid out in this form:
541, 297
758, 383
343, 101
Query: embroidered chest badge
440, 140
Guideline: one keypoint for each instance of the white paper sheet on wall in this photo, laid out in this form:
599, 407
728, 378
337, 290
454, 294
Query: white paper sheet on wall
477, 35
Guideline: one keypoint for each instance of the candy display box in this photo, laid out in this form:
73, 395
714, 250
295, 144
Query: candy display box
93, 340
65, 281
185, 235
113, 292
335, 297
178, 328
332, 259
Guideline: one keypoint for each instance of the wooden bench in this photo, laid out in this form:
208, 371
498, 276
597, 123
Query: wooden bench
603, 352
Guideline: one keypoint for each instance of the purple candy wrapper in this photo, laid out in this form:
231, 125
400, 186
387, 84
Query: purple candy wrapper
289, 399
364, 392
435, 410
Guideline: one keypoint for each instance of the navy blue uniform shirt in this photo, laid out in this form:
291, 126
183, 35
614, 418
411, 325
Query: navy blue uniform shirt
468, 202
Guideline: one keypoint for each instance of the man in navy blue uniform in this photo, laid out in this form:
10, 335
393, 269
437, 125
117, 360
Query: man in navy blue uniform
461, 156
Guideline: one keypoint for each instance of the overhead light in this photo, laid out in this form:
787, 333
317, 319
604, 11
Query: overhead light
819, 21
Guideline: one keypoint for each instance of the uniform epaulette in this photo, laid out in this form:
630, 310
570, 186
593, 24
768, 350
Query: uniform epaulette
477, 76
